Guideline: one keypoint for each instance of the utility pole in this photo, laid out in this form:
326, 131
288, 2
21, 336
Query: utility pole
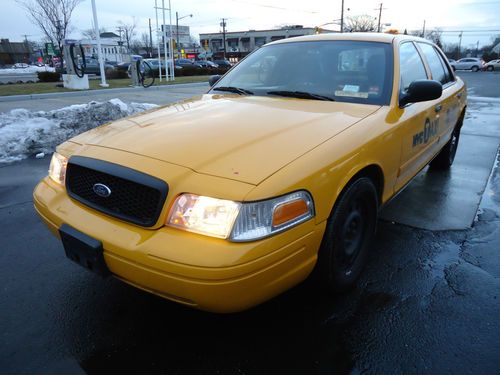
379, 16
423, 30
459, 44
150, 40
223, 24
177, 34
342, 18
477, 48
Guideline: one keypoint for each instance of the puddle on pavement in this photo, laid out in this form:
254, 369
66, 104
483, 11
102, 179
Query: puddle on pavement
444, 257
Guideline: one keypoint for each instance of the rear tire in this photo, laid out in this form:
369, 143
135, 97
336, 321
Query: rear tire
490, 68
348, 236
446, 156
475, 68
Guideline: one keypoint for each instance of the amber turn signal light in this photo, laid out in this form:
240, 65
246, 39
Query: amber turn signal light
288, 211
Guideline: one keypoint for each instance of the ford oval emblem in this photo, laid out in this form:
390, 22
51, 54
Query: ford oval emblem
101, 190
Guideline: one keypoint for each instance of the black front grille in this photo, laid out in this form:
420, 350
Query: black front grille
135, 197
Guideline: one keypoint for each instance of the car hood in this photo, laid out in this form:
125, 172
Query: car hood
243, 138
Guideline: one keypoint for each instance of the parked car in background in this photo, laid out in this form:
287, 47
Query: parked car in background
492, 65
468, 63
207, 64
92, 66
155, 64
187, 63
20, 65
223, 63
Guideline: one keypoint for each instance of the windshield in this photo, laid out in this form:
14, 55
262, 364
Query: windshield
347, 71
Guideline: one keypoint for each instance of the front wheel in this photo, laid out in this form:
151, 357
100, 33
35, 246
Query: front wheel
446, 156
475, 68
490, 68
348, 235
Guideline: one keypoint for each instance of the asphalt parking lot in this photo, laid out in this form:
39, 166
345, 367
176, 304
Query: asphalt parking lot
428, 302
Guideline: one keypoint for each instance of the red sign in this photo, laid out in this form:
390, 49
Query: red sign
190, 55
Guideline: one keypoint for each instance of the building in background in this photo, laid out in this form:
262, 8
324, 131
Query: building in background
241, 43
14, 52
113, 48
184, 46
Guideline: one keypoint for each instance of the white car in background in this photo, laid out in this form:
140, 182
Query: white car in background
492, 65
468, 63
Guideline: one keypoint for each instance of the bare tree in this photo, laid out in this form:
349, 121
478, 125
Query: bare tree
146, 43
127, 30
363, 23
90, 33
435, 36
53, 17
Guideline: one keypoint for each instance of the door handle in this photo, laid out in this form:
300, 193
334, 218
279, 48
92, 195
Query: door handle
438, 108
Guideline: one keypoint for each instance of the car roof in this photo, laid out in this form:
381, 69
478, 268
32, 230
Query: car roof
364, 37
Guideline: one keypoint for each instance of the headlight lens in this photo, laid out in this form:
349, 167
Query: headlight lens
205, 215
240, 222
57, 169
261, 219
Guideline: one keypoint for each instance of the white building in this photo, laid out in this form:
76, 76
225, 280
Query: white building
241, 43
112, 47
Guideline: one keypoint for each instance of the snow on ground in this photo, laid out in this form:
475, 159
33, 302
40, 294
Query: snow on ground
24, 133
29, 70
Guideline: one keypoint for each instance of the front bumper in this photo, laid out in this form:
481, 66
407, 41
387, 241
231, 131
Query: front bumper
203, 272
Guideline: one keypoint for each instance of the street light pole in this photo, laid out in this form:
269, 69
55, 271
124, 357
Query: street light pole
177, 39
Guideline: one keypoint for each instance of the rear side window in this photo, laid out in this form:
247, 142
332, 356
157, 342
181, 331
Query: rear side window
411, 66
434, 60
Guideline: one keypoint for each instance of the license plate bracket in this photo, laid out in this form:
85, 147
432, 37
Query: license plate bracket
84, 250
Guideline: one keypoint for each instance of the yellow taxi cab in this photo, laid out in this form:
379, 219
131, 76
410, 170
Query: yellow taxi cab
223, 201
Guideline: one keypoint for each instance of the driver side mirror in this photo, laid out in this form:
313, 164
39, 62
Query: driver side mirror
422, 90
213, 80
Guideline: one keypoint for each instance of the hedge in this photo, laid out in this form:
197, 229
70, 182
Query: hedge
49, 76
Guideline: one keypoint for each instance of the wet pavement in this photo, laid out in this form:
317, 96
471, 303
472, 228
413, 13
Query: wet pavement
428, 301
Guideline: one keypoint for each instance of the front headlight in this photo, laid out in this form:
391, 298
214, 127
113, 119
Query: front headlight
240, 222
57, 169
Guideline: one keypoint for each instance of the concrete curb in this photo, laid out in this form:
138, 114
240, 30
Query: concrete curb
14, 98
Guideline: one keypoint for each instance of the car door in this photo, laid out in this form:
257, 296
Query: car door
417, 120
463, 64
445, 108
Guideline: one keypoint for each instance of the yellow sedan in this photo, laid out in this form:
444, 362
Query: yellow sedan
223, 201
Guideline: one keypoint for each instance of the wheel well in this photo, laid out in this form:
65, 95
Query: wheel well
374, 173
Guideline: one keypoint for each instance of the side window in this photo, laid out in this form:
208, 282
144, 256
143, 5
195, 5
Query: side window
411, 66
437, 70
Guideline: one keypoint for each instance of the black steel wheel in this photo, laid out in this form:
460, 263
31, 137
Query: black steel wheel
446, 156
348, 235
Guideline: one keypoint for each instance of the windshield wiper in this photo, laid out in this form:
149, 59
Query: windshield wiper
237, 90
300, 95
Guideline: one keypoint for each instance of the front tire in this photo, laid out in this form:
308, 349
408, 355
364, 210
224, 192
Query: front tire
475, 68
490, 68
446, 156
348, 235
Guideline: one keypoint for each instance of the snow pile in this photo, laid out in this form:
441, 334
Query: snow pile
29, 70
24, 133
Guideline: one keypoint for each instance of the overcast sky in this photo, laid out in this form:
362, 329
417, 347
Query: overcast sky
474, 17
